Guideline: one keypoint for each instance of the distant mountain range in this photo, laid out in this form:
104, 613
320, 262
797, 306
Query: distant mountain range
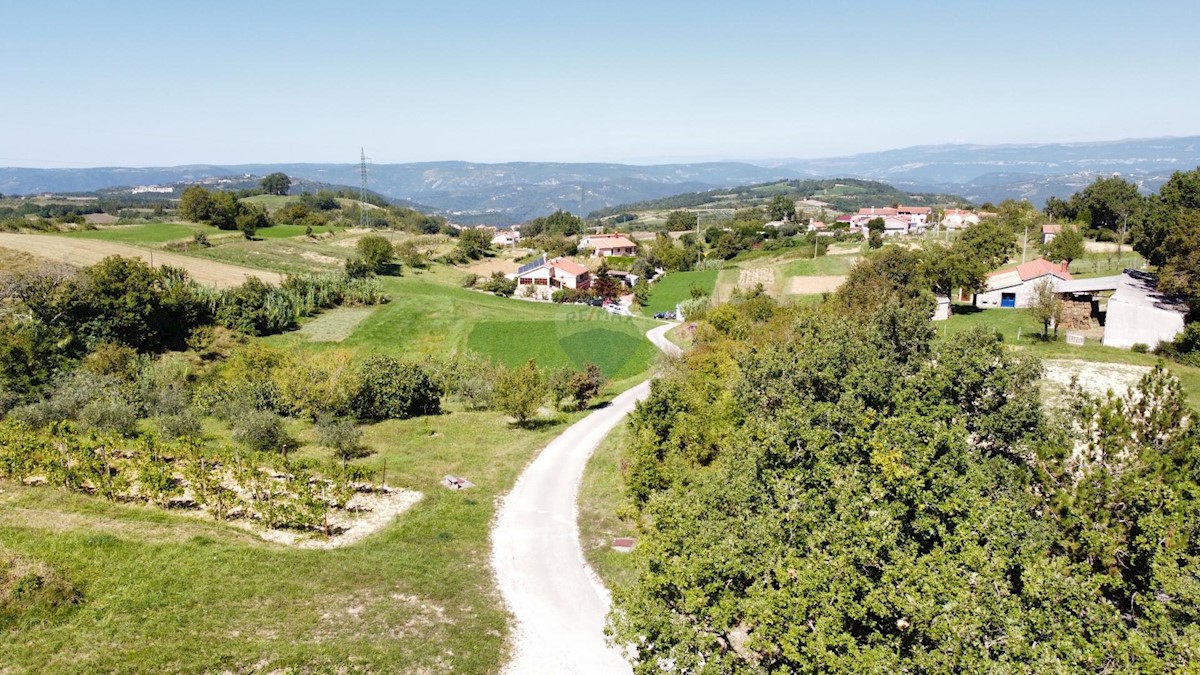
516, 191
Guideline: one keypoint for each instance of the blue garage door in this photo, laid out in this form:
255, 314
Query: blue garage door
1008, 299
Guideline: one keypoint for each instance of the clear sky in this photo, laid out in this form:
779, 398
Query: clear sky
124, 83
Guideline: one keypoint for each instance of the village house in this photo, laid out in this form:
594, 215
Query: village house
1015, 287
547, 276
604, 245
898, 220
956, 219
506, 238
1049, 232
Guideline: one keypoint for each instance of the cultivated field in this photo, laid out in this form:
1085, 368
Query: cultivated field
82, 252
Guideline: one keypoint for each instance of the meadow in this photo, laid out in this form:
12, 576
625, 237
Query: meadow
161, 590
145, 234
676, 287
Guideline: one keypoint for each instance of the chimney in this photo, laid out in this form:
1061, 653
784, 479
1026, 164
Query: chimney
1063, 265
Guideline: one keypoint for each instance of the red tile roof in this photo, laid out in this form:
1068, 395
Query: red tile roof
1052, 229
572, 268
616, 241
1036, 268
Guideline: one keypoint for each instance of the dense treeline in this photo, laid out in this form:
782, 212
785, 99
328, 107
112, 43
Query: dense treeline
829, 489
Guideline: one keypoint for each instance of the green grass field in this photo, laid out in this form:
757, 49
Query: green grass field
284, 231
601, 496
826, 265
676, 287
149, 233
164, 591
270, 202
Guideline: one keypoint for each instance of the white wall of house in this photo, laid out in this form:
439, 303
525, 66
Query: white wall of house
1024, 293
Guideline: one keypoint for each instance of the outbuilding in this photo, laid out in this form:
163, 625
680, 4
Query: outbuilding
1139, 314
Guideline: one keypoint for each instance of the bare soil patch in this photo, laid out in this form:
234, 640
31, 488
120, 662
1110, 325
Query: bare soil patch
1094, 378
320, 258
814, 285
484, 268
364, 515
84, 252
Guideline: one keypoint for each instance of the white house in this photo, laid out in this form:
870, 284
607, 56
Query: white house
1014, 287
902, 219
1049, 232
956, 219
608, 244
504, 238
1139, 314
548, 276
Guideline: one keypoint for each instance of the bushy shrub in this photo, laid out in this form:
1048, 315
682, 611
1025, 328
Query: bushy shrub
182, 425
470, 280
343, 437
260, 430
376, 252
393, 389
111, 416
499, 284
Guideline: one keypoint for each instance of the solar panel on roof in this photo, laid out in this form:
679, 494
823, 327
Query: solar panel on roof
532, 266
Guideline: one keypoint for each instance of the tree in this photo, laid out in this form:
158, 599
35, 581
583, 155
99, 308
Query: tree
195, 204
1065, 246
260, 430
393, 389
519, 392
782, 207
276, 183
473, 244
251, 220
1046, 307
376, 252
681, 221
1111, 204
990, 241
557, 223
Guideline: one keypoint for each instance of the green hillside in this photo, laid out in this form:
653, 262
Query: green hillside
841, 194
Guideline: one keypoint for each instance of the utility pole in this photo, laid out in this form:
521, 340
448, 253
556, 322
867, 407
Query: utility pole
362, 193
1025, 244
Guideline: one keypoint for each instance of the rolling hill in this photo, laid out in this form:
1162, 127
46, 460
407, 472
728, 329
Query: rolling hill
516, 191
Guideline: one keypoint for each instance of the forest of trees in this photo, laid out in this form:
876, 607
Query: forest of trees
829, 489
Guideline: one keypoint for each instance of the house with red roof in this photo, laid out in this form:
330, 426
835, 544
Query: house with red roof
1014, 287
609, 244
899, 220
547, 276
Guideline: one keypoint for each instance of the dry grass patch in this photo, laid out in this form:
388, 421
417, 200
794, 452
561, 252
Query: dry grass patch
84, 252
334, 325
814, 285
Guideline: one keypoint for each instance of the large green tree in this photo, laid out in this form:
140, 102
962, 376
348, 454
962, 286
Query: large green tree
832, 493
276, 183
1066, 246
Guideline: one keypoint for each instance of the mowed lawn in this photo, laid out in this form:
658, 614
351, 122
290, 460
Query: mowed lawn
148, 233
430, 315
676, 287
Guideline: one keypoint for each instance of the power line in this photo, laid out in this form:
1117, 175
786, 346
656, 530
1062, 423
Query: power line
362, 195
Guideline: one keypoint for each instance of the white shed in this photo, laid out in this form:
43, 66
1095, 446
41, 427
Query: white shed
1139, 314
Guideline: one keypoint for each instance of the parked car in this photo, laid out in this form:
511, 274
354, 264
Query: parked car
670, 316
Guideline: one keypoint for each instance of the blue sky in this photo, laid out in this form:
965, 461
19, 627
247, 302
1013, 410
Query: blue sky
154, 83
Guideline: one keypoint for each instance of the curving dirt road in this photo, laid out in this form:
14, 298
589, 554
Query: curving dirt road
559, 603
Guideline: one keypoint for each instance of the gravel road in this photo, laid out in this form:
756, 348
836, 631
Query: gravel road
559, 603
